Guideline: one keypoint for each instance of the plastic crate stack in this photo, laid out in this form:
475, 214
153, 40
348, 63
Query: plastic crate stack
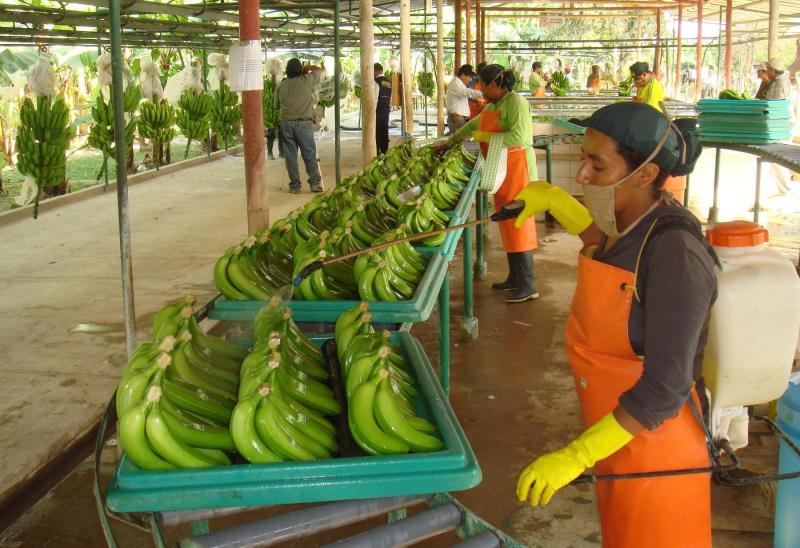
752, 122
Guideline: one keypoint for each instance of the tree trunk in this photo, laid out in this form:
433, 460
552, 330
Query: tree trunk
368, 98
405, 66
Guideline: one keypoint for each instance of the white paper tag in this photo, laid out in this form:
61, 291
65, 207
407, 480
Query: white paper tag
245, 71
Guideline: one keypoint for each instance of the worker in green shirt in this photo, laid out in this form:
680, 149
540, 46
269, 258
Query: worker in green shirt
537, 82
504, 130
648, 88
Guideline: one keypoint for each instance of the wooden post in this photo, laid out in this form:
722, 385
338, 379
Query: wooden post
405, 66
657, 56
478, 33
678, 52
483, 35
457, 37
774, 21
439, 68
468, 30
728, 43
698, 84
255, 174
368, 98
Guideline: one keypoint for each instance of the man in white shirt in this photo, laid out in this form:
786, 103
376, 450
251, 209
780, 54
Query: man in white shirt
780, 86
456, 99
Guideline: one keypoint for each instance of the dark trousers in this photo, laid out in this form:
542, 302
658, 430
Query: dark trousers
382, 129
299, 135
273, 135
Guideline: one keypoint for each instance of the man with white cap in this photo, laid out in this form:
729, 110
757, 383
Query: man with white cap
781, 87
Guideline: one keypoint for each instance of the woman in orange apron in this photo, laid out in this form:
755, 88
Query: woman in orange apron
505, 131
636, 380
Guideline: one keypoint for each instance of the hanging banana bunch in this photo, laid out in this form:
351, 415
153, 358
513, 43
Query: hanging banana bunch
155, 123
225, 113
272, 115
193, 116
101, 134
42, 140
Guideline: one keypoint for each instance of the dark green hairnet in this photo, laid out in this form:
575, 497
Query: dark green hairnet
639, 67
640, 127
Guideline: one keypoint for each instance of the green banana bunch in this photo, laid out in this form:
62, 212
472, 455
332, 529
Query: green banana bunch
194, 116
43, 137
156, 121
225, 113
272, 115
101, 134
732, 94
391, 274
421, 215
151, 443
426, 84
559, 84
625, 88
381, 388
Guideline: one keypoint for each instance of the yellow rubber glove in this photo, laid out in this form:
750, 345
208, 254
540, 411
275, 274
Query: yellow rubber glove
541, 196
482, 136
549, 473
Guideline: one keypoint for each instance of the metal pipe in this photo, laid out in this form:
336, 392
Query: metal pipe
468, 30
719, 49
444, 335
205, 88
406, 531
171, 519
657, 53
440, 68
123, 215
487, 539
337, 115
678, 51
774, 22
302, 523
728, 43
255, 173
698, 83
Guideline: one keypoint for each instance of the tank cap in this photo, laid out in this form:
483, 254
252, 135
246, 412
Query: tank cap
737, 234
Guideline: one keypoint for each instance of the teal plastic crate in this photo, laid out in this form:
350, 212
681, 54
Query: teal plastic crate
566, 124
417, 309
454, 468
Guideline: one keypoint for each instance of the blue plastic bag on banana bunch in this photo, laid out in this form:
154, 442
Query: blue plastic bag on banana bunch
150, 79
219, 72
189, 79
42, 78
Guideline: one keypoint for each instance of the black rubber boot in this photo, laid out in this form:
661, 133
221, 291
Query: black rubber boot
526, 290
511, 279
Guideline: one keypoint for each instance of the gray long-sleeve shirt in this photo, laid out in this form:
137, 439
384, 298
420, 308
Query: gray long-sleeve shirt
670, 329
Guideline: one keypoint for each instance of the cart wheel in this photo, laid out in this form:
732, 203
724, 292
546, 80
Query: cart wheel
481, 270
469, 329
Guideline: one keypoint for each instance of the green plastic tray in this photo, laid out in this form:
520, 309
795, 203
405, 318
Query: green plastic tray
417, 309
452, 469
739, 106
565, 123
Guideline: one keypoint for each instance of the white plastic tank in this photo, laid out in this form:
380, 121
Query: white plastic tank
755, 322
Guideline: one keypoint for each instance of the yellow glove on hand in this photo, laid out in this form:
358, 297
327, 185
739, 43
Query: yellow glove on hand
549, 473
541, 196
482, 136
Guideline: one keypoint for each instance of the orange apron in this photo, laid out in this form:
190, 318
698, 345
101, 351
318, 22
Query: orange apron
515, 240
664, 512
539, 92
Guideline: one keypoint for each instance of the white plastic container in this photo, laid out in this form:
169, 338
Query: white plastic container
755, 322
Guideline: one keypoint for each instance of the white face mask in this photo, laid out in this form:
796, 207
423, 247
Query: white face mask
599, 200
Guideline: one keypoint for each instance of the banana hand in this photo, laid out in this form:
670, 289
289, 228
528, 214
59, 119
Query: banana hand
482, 136
537, 200
549, 473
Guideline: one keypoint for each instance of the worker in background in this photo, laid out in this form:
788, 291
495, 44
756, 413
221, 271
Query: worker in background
537, 83
636, 333
761, 73
295, 100
456, 98
648, 88
383, 96
476, 105
505, 130
780, 87
569, 75
593, 82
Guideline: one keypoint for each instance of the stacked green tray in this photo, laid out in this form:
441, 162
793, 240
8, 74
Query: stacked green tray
744, 121
452, 469
416, 309
565, 123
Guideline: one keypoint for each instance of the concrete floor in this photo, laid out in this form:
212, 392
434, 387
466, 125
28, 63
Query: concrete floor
57, 382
